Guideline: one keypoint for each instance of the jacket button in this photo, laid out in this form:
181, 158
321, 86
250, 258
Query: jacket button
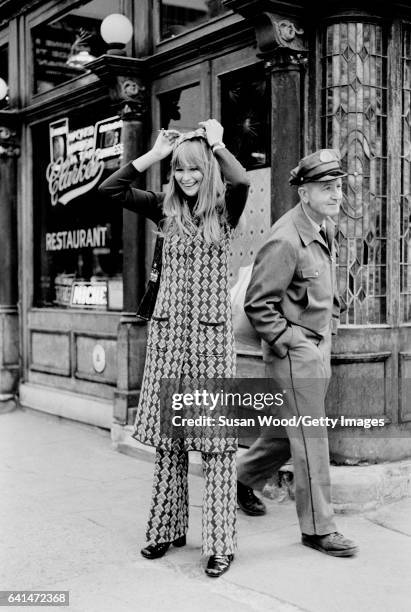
316, 273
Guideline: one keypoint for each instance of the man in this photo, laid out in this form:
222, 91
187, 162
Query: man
293, 304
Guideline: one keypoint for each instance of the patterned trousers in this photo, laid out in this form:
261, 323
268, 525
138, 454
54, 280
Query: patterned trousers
168, 518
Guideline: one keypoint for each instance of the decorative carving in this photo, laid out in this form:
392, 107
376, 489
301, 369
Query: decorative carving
285, 58
9, 146
125, 79
287, 31
354, 120
279, 37
132, 95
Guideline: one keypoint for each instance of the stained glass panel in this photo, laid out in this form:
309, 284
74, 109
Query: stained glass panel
354, 120
405, 215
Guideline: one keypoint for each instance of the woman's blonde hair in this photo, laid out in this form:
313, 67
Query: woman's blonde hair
205, 218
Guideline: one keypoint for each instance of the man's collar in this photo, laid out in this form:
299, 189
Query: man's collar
315, 224
305, 226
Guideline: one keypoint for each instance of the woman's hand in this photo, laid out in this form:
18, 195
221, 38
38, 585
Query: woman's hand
214, 131
162, 147
164, 143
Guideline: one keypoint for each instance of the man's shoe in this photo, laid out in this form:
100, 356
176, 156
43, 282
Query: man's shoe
248, 502
155, 551
334, 544
218, 564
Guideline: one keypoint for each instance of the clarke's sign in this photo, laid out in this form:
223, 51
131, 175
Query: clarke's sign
78, 157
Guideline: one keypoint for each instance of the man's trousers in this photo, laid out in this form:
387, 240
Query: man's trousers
168, 518
304, 373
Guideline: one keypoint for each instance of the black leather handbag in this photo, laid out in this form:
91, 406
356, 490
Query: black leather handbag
146, 306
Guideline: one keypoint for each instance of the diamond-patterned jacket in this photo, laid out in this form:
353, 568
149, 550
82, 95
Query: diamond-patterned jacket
191, 333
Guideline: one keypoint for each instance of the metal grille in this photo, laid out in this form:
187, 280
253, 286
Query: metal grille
405, 215
354, 120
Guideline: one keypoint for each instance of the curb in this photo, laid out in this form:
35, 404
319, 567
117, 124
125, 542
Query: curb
354, 488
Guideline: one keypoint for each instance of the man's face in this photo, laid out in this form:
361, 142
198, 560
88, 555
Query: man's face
322, 199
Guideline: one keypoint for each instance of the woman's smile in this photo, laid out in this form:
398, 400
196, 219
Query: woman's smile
189, 179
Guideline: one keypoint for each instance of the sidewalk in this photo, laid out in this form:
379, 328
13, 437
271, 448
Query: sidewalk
73, 512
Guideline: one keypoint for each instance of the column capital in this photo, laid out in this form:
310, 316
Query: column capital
280, 41
9, 134
125, 78
131, 94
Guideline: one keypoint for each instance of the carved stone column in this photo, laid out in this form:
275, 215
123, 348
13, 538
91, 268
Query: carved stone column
281, 46
131, 343
9, 320
126, 82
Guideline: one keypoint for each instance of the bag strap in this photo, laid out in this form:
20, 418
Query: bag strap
146, 307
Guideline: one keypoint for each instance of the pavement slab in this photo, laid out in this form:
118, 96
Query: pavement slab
73, 514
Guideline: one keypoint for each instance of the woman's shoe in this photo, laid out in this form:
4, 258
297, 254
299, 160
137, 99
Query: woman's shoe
181, 541
155, 551
218, 565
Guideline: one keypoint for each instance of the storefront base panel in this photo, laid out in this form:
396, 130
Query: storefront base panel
83, 408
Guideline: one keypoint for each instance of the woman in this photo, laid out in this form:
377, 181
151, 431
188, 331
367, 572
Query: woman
190, 334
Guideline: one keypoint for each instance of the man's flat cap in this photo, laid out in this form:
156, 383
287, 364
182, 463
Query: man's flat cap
322, 165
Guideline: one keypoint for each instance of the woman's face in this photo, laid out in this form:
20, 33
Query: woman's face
189, 179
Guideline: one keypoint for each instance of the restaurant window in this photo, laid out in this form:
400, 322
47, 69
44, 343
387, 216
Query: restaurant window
245, 115
4, 76
77, 233
62, 48
177, 16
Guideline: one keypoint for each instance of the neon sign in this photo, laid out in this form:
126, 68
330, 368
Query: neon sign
78, 157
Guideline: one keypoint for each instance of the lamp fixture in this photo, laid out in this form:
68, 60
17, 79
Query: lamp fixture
116, 30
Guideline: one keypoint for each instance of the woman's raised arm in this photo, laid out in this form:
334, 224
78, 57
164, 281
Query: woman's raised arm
233, 172
118, 186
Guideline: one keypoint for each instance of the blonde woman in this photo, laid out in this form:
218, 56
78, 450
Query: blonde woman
190, 335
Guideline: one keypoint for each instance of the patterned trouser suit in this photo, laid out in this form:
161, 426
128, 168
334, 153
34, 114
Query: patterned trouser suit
190, 336
168, 519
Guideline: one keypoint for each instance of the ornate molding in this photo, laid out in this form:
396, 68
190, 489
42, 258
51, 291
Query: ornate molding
125, 79
250, 8
279, 38
9, 136
132, 95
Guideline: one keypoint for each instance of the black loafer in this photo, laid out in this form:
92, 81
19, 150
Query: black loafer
334, 544
218, 564
248, 502
155, 551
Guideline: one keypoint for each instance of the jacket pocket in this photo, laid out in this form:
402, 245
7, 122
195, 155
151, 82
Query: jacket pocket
311, 271
211, 337
159, 334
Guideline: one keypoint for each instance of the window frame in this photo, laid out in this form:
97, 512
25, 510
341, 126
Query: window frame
53, 11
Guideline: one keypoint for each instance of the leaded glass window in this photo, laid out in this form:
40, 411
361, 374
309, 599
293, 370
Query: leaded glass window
405, 214
354, 120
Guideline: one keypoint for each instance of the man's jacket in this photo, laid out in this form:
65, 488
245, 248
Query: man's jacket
293, 282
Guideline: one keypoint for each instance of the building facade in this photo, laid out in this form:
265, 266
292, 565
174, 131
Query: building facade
283, 82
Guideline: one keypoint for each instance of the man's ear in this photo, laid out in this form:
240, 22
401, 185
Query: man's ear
302, 192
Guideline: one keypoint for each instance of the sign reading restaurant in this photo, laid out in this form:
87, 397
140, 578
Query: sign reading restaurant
82, 234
